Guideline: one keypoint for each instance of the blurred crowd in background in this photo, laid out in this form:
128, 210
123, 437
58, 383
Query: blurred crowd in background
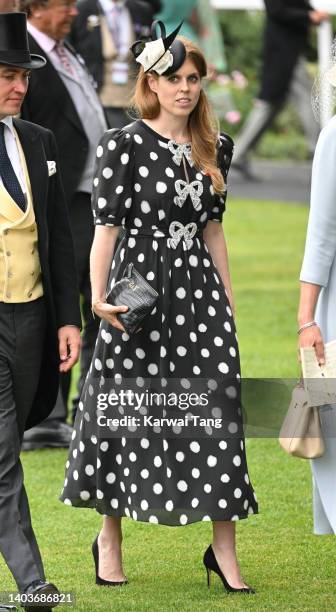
233, 44
87, 87
237, 64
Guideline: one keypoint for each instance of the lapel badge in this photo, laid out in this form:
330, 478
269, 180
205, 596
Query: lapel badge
93, 21
51, 167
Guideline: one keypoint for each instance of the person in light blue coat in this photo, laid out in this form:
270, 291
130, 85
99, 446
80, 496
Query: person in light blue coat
317, 312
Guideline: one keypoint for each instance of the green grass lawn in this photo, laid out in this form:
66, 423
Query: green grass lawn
290, 568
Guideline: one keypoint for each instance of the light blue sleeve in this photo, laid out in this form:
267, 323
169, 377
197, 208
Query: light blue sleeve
320, 247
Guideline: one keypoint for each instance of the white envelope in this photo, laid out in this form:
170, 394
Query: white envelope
51, 167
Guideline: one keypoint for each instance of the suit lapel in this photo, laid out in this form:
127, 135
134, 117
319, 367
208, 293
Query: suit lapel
56, 89
96, 9
97, 36
36, 163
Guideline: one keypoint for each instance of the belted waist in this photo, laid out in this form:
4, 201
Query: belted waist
176, 232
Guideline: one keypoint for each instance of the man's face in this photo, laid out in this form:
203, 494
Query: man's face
13, 88
55, 17
8, 6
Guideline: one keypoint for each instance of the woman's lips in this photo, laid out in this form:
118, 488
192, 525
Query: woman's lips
183, 101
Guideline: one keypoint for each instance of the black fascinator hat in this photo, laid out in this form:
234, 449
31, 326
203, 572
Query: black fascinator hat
162, 54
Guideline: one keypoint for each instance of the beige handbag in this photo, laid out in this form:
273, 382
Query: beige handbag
301, 434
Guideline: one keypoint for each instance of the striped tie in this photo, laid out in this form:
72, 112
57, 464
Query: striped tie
114, 14
8, 175
62, 54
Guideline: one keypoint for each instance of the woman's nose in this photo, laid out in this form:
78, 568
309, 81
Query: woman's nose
185, 84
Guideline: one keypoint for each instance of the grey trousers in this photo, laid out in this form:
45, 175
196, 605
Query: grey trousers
265, 112
22, 333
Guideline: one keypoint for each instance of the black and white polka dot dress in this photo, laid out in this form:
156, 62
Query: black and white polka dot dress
167, 472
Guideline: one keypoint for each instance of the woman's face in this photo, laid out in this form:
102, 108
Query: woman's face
179, 92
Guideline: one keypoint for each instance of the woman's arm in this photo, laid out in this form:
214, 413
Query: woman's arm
320, 249
214, 238
100, 262
312, 335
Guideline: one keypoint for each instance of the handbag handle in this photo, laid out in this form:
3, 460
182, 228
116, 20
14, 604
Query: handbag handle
128, 270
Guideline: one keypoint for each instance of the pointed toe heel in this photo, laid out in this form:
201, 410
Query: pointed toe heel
101, 581
211, 565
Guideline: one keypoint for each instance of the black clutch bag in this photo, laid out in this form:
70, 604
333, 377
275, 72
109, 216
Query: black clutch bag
133, 291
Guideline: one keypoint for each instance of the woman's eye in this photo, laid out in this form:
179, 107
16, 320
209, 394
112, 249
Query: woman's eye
172, 79
193, 79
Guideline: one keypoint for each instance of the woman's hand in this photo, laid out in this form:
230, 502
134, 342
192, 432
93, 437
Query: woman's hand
316, 17
312, 337
109, 313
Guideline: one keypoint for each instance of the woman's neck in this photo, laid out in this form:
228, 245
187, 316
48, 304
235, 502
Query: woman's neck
174, 128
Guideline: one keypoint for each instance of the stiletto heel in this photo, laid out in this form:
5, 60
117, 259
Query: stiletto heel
211, 564
208, 576
101, 581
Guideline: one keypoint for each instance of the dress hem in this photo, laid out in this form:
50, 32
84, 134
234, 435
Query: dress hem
93, 506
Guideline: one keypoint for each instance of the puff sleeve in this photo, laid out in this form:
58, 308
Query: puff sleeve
224, 157
113, 178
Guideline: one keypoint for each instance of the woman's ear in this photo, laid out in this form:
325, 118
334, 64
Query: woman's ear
152, 82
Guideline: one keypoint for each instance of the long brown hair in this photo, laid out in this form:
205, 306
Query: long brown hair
202, 124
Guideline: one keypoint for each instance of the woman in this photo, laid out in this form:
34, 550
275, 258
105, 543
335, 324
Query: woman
174, 11
316, 317
159, 179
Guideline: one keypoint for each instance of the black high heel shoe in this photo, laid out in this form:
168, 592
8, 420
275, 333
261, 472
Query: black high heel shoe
101, 581
211, 564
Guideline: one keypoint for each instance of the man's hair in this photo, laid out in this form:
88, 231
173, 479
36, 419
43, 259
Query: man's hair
26, 5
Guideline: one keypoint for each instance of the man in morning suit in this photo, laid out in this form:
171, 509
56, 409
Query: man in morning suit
61, 97
102, 33
283, 74
39, 300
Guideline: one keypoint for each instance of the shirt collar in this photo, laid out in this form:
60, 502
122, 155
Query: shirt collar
46, 43
9, 122
108, 4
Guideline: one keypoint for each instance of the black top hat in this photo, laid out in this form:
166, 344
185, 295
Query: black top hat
14, 50
176, 47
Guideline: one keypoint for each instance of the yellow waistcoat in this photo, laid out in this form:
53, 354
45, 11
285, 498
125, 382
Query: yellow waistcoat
20, 269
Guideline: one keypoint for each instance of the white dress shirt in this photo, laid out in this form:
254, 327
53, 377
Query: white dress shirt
13, 152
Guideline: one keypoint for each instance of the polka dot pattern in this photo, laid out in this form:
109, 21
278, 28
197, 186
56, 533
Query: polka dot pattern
190, 337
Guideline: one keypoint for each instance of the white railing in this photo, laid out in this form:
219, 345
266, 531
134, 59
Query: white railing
324, 32
255, 5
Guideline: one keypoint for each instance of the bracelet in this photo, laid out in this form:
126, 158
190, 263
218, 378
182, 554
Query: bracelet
305, 326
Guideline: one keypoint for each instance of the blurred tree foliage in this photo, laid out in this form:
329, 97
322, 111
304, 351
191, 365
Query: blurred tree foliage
242, 32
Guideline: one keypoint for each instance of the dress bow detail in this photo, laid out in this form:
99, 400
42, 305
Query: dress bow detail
178, 150
183, 189
179, 231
